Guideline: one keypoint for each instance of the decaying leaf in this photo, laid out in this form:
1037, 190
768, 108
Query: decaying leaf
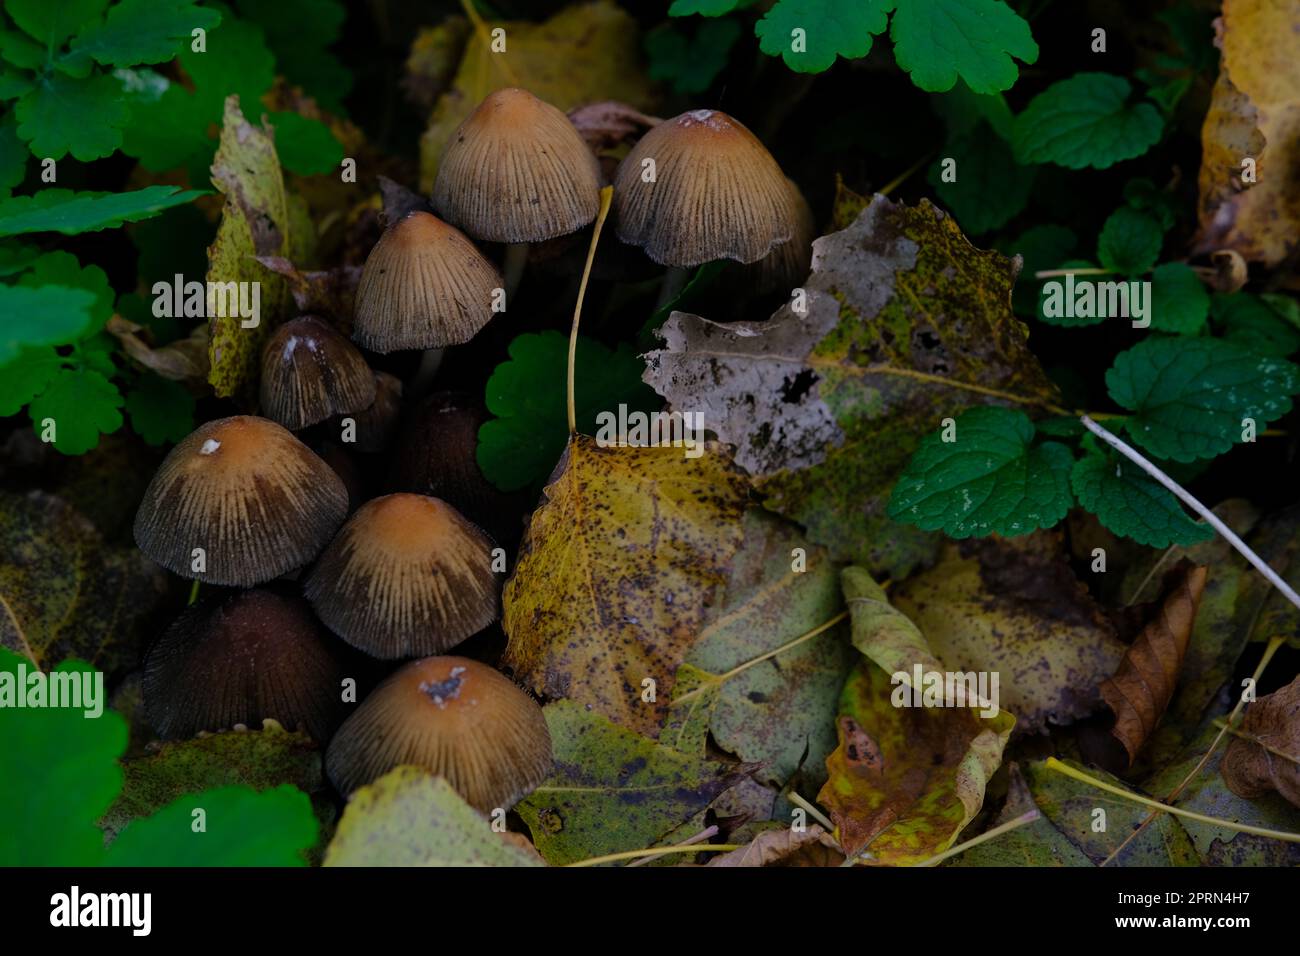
905, 323
1254, 115
185, 360
584, 53
64, 593
812, 846
617, 569
1037, 843
607, 124
1016, 609
612, 789
1143, 685
882, 632
329, 293
904, 781
409, 818
1267, 756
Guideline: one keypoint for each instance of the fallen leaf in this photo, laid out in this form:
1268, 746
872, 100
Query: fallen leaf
616, 570
906, 323
904, 781
1037, 843
329, 293
612, 789
609, 123
882, 632
1143, 685
184, 360
812, 846
409, 818
1016, 609
1267, 756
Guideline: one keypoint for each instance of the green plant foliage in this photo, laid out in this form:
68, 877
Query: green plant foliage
991, 187
1179, 302
161, 411
50, 315
1263, 323
830, 29
68, 212
1130, 242
691, 63
1086, 120
1133, 505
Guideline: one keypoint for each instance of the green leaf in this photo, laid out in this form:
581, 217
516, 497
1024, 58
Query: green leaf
962, 110
53, 23
829, 28
50, 315
527, 394
1190, 395
13, 156
78, 115
409, 818
1142, 194
21, 50
1041, 247
60, 773
706, 8
1129, 242
1133, 505
1033, 844
1085, 120
143, 31
82, 405
986, 481
240, 827
612, 789
940, 40
237, 62
991, 188
690, 64
161, 410
63, 269
1179, 302
62, 210
299, 33
884, 634
26, 376
1257, 322
305, 146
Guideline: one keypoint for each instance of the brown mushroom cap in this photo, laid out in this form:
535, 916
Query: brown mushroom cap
787, 265
456, 718
377, 422
717, 193
424, 286
246, 491
240, 659
406, 576
516, 170
310, 372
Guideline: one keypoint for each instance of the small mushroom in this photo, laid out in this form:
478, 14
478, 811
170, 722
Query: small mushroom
716, 193
787, 264
424, 286
242, 658
455, 717
406, 576
310, 372
238, 502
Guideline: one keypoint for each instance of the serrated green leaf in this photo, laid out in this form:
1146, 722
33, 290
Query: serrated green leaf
299, 33
1130, 242
143, 31
82, 406
26, 376
53, 23
986, 481
50, 315
990, 189
305, 146
1133, 505
692, 63
1189, 396
62, 269
827, 29
161, 410
527, 395
21, 50
976, 40
1179, 302
68, 212
78, 115
1085, 120
1257, 322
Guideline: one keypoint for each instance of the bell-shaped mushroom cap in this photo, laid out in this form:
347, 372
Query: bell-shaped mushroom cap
310, 372
256, 500
424, 286
408, 575
716, 193
455, 717
242, 658
516, 170
787, 265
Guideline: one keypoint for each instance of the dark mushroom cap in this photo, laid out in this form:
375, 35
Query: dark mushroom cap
717, 193
242, 658
310, 372
516, 170
406, 576
246, 491
455, 717
377, 422
424, 286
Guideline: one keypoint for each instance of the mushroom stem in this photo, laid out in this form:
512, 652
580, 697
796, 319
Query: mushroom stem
516, 259
672, 286
606, 197
422, 381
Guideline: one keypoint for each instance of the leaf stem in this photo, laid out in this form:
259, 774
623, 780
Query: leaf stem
704, 834
606, 196
811, 809
1223, 725
997, 831
194, 593
1068, 771
485, 37
657, 851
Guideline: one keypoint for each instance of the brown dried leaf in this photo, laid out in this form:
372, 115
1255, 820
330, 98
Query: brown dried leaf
812, 846
329, 293
1270, 760
606, 124
185, 360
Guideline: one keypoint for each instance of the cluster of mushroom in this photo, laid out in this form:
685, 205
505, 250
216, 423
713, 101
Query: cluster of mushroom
243, 503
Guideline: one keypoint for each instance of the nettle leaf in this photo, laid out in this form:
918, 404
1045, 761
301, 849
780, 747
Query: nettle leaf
1129, 242
690, 64
1179, 302
1133, 505
987, 480
68, 212
1261, 323
143, 31
1086, 120
526, 393
990, 189
82, 405
79, 115
941, 40
1189, 396
161, 410
49, 315
828, 28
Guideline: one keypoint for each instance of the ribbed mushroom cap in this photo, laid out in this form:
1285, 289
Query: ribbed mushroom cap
246, 491
424, 286
787, 264
240, 659
406, 576
455, 717
310, 372
516, 170
717, 193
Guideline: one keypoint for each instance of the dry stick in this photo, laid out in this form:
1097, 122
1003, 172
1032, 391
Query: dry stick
657, 851
811, 810
1223, 725
689, 841
606, 196
997, 831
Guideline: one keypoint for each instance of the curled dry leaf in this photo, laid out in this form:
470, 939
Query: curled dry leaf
811, 846
609, 123
1144, 683
1270, 758
185, 360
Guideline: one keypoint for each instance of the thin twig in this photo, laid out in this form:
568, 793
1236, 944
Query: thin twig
811, 810
606, 196
1223, 725
658, 851
689, 841
997, 831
